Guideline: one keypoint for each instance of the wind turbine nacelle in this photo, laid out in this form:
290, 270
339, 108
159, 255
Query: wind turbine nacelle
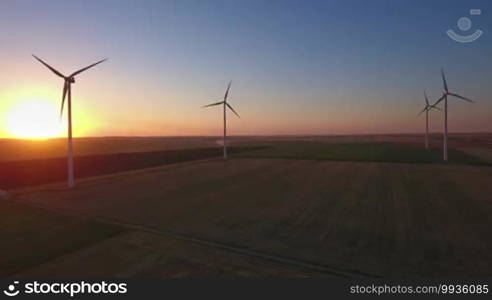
71, 79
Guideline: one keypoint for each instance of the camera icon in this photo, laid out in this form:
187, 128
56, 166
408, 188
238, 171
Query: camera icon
464, 24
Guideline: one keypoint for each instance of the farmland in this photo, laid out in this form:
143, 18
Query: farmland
13, 150
292, 207
370, 151
19, 173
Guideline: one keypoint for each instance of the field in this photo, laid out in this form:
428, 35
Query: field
40, 236
19, 173
45, 244
344, 206
369, 151
11, 150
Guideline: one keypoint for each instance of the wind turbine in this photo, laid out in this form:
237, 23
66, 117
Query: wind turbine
426, 109
444, 97
225, 106
67, 89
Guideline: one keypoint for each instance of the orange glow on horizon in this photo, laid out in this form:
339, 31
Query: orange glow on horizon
33, 114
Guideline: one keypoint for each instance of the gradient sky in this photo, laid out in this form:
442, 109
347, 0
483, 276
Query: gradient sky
298, 67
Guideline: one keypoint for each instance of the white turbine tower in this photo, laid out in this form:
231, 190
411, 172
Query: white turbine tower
67, 89
426, 109
225, 106
444, 97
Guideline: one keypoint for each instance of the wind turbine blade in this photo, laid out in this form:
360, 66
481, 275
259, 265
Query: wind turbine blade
460, 97
426, 99
445, 84
437, 102
227, 91
230, 107
214, 104
426, 108
434, 107
65, 90
86, 68
48, 66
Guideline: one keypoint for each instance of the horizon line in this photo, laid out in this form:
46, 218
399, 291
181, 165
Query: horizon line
246, 135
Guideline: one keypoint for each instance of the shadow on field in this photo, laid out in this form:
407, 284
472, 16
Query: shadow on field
23, 173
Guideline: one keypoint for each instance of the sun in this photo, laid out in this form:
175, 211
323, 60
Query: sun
34, 119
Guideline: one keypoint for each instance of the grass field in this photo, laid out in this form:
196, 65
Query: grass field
337, 206
368, 151
44, 244
11, 149
20, 173
33, 236
377, 219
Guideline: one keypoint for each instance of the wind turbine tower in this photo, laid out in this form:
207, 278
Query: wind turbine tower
225, 105
426, 110
444, 97
67, 89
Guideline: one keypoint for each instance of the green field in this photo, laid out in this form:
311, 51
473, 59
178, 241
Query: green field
12, 149
375, 152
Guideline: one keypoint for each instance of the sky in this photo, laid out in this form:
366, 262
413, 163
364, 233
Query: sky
297, 67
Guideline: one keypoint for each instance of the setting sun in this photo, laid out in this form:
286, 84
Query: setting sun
34, 119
